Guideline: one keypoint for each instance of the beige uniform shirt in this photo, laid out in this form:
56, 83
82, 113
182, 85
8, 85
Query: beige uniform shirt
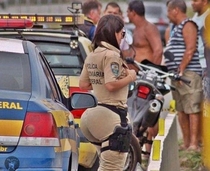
102, 66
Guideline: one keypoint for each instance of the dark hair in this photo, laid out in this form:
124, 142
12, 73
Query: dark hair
177, 4
114, 5
137, 6
107, 27
89, 5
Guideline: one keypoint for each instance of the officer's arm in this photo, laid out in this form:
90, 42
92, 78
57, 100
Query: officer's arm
118, 84
85, 85
84, 80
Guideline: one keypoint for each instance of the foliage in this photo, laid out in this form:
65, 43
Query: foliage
190, 160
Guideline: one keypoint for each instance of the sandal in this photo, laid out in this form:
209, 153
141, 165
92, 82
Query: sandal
194, 148
182, 147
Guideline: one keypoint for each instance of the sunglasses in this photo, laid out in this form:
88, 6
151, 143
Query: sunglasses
123, 33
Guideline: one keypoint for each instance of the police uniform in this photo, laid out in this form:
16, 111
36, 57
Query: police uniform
100, 124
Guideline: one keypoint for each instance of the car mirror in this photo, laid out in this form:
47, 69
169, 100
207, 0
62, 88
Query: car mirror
83, 100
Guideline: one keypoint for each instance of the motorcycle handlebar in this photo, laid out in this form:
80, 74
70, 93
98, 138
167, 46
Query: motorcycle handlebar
174, 76
181, 78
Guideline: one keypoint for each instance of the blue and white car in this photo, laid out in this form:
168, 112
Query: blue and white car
37, 130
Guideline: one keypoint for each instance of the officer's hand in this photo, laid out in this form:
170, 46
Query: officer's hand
133, 67
131, 73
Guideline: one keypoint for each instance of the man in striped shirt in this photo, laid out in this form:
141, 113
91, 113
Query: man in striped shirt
183, 44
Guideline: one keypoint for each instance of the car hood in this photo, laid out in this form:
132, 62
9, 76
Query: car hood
13, 106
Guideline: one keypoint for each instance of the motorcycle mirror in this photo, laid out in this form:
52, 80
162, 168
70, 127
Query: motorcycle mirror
168, 55
129, 60
131, 88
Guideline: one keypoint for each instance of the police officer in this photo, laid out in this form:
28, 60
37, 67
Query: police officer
108, 76
92, 11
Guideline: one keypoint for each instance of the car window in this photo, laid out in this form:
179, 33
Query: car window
15, 72
53, 92
59, 57
54, 47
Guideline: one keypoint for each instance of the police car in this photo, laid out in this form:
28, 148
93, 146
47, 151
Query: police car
38, 132
65, 49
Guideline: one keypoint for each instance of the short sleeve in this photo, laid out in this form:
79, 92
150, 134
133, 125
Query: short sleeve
112, 67
84, 74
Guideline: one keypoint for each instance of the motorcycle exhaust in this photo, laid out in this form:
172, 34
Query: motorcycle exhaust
155, 106
151, 116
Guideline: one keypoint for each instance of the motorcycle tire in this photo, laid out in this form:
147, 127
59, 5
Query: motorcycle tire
134, 155
93, 168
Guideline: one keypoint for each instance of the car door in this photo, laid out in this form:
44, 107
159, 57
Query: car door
14, 79
69, 138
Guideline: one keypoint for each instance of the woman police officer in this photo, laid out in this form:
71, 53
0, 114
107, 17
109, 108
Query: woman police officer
108, 76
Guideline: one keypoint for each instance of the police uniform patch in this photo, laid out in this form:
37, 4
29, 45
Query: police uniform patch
115, 68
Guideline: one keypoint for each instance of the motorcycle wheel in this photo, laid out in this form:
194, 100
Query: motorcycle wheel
93, 168
134, 155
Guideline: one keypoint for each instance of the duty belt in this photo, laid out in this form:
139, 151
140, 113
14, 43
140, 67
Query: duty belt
122, 112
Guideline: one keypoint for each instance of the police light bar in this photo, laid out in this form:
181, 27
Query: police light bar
47, 18
16, 23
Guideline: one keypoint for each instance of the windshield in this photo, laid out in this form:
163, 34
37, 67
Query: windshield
60, 59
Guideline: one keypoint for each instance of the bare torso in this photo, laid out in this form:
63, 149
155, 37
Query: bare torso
147, 43
141, 45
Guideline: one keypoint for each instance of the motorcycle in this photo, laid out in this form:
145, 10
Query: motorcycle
146, 96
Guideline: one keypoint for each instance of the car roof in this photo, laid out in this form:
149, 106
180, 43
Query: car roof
7, 44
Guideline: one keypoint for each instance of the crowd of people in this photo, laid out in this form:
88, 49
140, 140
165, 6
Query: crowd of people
112, 43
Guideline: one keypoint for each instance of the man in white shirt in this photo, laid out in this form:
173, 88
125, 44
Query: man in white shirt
201, 9
114, 8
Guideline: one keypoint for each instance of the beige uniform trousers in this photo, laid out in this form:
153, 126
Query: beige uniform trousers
97, 124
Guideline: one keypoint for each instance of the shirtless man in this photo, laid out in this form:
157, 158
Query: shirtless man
146, 37
146, 44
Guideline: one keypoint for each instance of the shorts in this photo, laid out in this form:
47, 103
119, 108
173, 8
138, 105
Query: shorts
188, 98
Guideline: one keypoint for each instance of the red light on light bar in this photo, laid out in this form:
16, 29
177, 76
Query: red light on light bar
16, 23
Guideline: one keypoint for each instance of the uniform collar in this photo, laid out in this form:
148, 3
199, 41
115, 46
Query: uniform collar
108, 46
88, 19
